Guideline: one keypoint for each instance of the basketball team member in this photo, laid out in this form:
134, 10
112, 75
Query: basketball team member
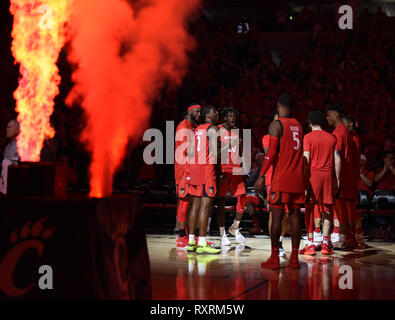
318, 151
231, 180
203, 179
355, 221
344, 175
268, 182
184, 136
287, 188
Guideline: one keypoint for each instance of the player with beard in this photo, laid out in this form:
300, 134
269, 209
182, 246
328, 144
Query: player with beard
232, 179
287, 188
204, 171
184, 136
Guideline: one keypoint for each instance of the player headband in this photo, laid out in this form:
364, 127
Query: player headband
194, 106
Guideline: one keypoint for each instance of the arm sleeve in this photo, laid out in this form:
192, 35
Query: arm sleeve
270, 156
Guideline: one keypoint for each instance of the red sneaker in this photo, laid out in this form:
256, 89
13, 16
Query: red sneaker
182, 242
326, 249
294, 261
308, 250
273, 262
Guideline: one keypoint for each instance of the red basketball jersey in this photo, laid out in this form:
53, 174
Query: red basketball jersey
231, 139
203, 168
182, 129
288, 164
321, 146
344, 146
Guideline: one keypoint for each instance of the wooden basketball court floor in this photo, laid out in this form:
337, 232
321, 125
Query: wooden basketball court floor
235, 274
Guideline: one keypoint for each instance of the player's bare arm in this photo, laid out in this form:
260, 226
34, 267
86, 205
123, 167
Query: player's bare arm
338, 164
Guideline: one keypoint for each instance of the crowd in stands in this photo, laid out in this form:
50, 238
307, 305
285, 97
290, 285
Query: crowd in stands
355, 68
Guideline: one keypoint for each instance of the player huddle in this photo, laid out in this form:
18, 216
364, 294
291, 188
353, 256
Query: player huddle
319, 171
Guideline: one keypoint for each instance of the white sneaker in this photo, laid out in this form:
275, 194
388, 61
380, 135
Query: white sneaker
341, 243
225, 249
281, 252
225, 241
239, 249
236, 232
239, 237
317, 238
334, 237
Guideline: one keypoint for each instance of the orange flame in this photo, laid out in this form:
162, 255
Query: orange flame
39, 34
123, 58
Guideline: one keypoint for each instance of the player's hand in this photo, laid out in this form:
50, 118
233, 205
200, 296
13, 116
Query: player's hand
259, 183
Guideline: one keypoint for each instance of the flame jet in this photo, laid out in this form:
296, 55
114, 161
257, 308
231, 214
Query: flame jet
123, 57
39, 33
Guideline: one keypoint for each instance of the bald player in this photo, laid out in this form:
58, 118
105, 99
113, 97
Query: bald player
287, 188
184, 136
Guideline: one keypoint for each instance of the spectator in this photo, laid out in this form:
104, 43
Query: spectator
366, 177
10, 154
385, 177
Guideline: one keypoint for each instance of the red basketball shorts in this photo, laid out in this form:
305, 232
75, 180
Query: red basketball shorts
182, 186
233, 183
279, 199
322, 190
206, 189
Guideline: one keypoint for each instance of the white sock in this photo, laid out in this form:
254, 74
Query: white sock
281, 238
221, 231
191, 238
236, 224
202, 241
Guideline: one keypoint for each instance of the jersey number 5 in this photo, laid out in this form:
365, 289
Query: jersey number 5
296, 138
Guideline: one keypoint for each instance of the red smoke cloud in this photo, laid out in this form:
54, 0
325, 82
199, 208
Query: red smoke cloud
123, 58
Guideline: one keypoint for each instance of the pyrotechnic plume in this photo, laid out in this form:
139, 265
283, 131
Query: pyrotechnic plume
123, 58
38, 36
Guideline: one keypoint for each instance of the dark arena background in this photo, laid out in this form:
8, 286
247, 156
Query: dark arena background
91, 218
